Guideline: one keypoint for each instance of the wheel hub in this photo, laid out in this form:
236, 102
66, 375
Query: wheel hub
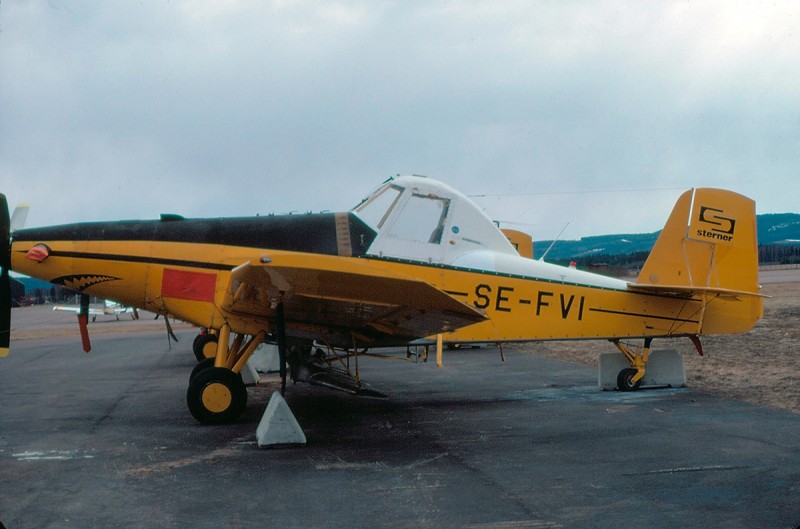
217, 397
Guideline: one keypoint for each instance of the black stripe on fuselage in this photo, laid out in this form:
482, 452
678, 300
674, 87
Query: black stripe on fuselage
310, 233
142, 259
640, 315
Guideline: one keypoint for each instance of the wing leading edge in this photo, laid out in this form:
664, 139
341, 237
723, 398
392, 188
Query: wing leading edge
340, 298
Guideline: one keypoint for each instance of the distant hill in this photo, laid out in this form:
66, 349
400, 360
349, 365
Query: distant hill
773, 229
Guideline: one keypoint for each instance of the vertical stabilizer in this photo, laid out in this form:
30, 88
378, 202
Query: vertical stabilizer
709, 242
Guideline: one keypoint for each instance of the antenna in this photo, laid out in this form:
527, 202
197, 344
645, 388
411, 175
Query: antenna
554, 242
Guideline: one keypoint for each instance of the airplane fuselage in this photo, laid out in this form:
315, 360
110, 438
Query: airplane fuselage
177, 266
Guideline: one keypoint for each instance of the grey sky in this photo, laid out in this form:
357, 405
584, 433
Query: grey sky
128, 109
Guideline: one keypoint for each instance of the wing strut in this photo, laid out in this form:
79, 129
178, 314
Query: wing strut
280, 323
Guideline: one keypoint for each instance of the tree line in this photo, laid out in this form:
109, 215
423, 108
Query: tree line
771, 254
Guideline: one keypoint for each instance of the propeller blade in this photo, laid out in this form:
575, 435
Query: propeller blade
5, 278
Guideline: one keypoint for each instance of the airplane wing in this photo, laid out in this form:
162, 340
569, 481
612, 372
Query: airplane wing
335, 297
70, 308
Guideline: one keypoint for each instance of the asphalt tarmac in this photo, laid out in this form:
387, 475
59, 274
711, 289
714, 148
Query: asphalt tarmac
105, 440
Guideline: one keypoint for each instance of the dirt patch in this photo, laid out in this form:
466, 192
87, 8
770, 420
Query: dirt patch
760, 366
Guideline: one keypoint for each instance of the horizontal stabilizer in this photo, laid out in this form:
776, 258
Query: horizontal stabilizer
684, 291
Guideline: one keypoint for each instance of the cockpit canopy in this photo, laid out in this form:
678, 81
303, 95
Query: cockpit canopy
421, 219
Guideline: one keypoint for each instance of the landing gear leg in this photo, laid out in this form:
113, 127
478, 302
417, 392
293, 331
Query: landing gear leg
630, 378
216, 393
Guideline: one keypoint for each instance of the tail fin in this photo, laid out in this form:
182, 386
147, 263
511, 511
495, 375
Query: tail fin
709, 249
708, 244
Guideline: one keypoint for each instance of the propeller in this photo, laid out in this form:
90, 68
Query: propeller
5, 278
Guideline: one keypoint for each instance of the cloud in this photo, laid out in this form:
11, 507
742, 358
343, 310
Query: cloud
237, 107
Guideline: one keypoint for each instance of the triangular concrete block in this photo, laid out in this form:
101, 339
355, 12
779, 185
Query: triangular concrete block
278, 425
249, 374
266, 359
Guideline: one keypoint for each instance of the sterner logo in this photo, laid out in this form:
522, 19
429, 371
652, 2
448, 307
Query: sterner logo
723, 226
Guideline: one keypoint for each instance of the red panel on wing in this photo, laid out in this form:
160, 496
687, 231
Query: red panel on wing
192, 286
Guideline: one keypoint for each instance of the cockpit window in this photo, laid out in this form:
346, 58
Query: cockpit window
376, 209
422, 219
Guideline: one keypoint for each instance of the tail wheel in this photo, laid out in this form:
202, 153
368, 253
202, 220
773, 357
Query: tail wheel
216, 396
205, 346
625, 380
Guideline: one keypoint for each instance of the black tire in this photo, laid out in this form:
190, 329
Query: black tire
625, 380
199, 346
201, 366
216, 395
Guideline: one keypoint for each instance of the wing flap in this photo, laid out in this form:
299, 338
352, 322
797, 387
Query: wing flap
345, 295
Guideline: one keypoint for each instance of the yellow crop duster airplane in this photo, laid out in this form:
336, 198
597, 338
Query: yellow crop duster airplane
414, 260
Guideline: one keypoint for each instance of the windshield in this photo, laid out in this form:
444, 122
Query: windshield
375, 210
422, 219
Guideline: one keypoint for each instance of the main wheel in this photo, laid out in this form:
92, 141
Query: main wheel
201, 366
205, 346
216, 395
625, 380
